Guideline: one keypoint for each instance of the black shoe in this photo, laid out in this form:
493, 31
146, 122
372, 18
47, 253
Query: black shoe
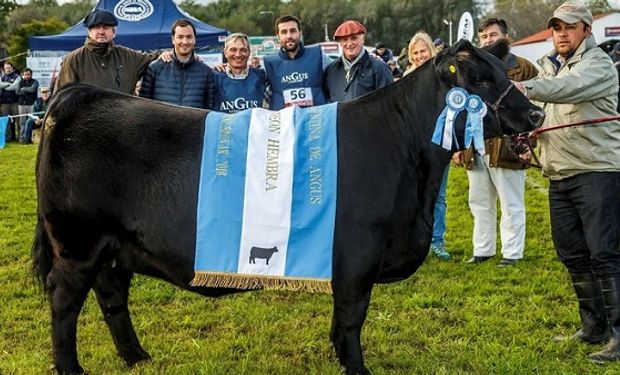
477, 259
505, 262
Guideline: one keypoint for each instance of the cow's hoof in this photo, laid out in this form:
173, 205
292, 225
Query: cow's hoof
76, 371
362, 371
136, 358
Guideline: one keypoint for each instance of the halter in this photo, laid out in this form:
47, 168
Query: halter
495, 106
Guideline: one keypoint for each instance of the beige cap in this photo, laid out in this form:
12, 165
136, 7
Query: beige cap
571, 12
45, 88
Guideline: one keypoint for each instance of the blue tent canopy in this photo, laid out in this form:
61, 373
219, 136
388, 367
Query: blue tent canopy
142, 25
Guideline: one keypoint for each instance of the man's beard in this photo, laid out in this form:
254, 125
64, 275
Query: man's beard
293, 48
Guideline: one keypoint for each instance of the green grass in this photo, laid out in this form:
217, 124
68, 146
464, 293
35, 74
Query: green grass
449, 318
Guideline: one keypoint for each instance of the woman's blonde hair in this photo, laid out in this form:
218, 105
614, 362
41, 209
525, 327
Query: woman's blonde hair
421, 35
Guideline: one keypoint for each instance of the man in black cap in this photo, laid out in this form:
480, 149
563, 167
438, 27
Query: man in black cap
100, 62
382, 52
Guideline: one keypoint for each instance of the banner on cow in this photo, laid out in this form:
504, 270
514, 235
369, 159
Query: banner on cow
267, 200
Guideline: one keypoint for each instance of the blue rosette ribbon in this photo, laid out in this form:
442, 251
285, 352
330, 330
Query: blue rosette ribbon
456, 101
476, 110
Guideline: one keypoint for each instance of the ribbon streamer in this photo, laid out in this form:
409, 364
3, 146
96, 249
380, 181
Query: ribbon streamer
476, 110
456, 101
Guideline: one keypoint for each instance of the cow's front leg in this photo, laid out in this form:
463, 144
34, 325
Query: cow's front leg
350, 307
112, 291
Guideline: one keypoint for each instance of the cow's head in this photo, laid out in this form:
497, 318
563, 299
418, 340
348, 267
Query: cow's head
481, 73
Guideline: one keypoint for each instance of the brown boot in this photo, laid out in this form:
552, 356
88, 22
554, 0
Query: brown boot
611, 295
591, 311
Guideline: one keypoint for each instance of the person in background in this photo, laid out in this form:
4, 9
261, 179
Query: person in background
240, 86
500, 174
185, 81
9, 83
255, 62
439, 44
382, 52
296, 73
36, 120
577, 82
615, 57
100, 62
355, 73
396, 72
27, 91
421, 49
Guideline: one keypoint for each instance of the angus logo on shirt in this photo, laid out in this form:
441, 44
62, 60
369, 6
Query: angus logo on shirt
295, 77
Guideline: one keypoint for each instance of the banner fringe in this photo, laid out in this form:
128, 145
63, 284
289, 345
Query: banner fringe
252, 282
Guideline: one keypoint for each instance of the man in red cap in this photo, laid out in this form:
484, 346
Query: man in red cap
355, 73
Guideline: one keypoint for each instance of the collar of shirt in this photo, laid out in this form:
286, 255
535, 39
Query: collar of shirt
232, 75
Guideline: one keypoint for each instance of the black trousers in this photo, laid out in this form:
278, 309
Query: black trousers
585, 222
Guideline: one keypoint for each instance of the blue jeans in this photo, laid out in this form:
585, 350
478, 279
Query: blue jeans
26, 133
585, 222
439, 225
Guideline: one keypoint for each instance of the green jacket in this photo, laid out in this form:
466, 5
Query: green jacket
105, 65
584, 87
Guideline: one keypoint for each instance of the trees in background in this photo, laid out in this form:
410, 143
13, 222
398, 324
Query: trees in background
392, 22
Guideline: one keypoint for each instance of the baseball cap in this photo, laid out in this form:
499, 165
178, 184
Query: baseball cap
100, 17
350, 27
571, 12
45, 89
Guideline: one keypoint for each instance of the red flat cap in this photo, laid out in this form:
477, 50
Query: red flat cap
349, 28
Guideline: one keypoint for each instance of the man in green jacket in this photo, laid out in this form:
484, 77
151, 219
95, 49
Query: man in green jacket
100, 62
578, 82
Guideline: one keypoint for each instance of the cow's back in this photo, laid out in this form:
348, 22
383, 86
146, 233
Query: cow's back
119, 166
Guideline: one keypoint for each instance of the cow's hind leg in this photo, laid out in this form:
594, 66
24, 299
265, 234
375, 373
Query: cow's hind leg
112, 291
350, 307
68, 284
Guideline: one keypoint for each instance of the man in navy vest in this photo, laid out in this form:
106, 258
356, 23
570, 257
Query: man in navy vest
296, 73
238, 87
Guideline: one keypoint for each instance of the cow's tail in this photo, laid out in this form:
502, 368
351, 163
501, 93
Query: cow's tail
41, 254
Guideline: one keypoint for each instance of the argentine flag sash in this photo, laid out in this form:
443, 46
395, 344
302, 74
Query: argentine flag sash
267, 199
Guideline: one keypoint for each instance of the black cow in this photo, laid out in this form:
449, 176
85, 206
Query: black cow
117, 181
262, 253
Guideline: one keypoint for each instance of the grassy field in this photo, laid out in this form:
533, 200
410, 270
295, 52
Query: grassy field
449, 318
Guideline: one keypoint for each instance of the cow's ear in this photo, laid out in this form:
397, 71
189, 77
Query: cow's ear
447, 68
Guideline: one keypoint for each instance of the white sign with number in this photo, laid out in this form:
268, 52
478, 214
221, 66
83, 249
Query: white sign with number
301, 97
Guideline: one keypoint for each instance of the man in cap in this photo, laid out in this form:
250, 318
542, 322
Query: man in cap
578, 82
355, 73
184, 81
296, 73
100, 62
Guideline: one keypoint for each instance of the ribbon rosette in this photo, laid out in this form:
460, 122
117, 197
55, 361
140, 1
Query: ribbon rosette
476, 110
456, 101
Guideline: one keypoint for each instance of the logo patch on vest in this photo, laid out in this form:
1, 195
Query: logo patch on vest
133, 10
239, 104
295, 77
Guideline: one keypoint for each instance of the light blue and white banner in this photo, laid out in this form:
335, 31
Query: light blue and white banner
267, 199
